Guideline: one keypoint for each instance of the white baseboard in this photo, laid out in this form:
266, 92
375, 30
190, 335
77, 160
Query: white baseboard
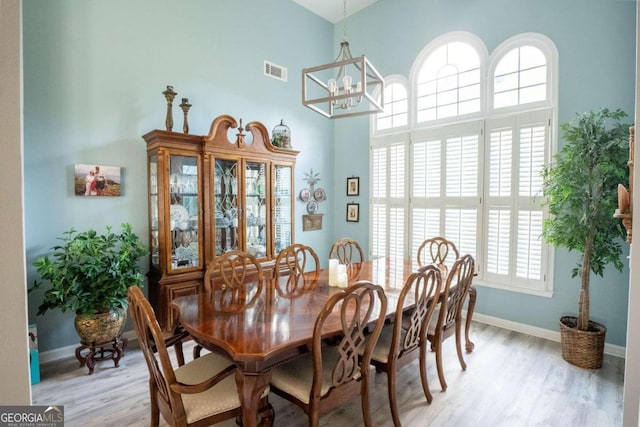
611, 349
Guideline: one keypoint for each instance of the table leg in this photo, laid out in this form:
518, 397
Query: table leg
250, 388
473, 293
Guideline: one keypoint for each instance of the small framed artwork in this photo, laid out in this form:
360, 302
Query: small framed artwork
96, 180
311, 222
353, 186
353, 212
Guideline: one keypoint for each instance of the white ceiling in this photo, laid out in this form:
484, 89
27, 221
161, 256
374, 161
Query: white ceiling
333, 10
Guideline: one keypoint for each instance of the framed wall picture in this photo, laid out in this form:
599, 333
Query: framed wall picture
353, 212
353, 186
311, 222
96, 180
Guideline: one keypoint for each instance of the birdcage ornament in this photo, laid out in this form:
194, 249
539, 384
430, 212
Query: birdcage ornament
281, 136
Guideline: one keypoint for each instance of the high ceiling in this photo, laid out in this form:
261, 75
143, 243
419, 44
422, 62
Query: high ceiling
333, 10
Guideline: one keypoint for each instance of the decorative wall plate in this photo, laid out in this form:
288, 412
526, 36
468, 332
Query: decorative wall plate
305, 195
320, 195
312, 207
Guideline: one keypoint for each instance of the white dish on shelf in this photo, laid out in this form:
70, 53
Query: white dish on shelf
179, 214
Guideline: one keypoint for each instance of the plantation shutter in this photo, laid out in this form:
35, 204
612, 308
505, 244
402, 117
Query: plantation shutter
389, 199
516, 154
446, 185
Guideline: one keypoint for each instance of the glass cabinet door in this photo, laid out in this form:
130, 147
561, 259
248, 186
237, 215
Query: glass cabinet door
225, 189
255, 178
153, 211
282, 210
184, 212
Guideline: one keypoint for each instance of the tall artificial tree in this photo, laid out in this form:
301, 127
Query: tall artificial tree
580, 188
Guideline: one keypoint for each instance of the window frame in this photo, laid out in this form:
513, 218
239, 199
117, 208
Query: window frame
517, 203
485, 116
454, 36
393, 79
549, 50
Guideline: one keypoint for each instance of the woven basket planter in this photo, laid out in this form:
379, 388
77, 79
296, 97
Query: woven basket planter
582, 348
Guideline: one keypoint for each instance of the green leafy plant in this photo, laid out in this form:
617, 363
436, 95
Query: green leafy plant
90, 272
277, 140
581, 192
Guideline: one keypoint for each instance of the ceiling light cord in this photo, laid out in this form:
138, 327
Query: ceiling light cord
344, 22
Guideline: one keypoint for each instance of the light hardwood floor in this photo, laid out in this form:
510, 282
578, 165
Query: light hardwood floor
511, 380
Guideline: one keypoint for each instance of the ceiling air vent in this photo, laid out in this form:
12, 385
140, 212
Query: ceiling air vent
275, 71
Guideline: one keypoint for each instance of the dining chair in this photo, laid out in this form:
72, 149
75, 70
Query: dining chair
449, 320
199, 393
439, 251
348, 252
234, 280
296, 270
405, 340
175, 340
331, 374
235, 274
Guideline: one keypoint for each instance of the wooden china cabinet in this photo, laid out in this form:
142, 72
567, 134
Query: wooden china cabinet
227, 190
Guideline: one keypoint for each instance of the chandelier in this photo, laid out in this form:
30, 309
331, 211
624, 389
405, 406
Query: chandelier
344, 87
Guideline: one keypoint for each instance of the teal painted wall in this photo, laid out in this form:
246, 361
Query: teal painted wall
596, 44
94, 72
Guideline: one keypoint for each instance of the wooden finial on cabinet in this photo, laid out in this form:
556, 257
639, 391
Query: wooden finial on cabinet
169, 94
240, 135
185, 109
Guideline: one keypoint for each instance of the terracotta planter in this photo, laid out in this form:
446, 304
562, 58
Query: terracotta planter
101, 328
582, 348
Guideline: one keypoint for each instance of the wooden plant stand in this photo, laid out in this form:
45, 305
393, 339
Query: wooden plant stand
101, 351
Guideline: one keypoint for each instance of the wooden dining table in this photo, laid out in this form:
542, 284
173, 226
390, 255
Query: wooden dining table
274, 329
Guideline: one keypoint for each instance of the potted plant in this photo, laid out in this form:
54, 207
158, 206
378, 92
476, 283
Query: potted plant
89, 275
580, 188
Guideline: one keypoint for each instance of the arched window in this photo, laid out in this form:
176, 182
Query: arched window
520, 77
449, 78
481, 128
522, 72
396, 106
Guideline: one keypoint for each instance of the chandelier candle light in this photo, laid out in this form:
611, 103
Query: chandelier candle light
321, 90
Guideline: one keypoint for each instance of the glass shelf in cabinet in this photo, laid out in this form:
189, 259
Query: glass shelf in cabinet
187, 194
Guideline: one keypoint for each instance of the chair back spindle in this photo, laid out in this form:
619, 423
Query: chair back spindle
348, 252
236, 279
439, 251
296, 269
